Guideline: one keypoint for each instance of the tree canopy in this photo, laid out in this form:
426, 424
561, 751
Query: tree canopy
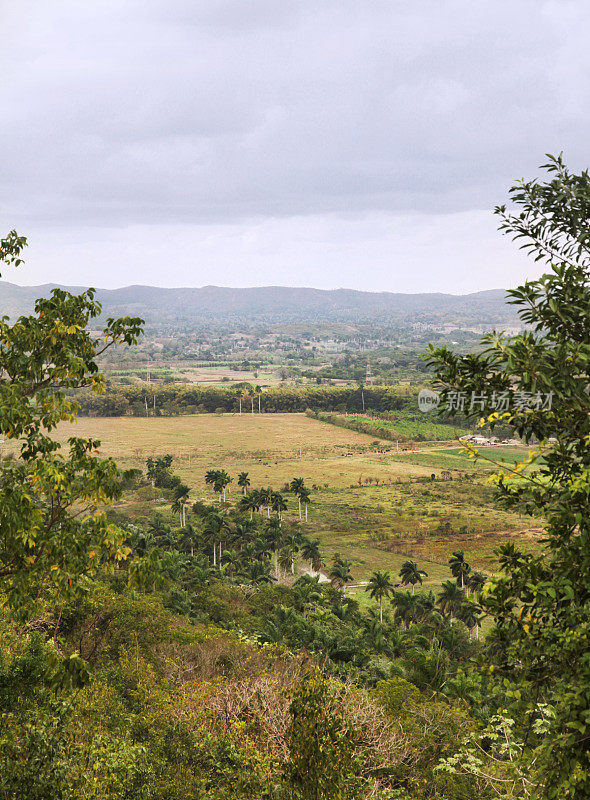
541, 604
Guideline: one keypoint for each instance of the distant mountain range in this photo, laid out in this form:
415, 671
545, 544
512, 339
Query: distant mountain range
276, 304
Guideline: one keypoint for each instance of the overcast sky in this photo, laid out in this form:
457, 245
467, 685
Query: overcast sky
326, 143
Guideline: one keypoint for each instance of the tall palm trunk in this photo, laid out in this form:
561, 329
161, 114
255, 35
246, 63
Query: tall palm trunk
299, 507
381, 610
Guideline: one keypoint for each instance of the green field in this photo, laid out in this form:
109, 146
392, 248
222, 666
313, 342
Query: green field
407, 427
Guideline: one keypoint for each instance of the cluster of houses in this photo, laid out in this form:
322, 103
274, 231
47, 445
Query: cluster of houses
483, 441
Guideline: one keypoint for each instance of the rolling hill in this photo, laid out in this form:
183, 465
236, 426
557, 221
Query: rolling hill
276, 304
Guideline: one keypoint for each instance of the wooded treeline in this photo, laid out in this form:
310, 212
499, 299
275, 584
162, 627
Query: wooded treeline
154, 400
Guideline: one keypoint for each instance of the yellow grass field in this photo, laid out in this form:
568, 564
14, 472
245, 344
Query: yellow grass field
268, 446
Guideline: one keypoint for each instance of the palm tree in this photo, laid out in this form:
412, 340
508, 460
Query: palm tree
307, 590
291, 546
244, 481
340, 573
266, 499
310, 550
258, 390
405, 607
409, 573
211, 476
379, 586
361, 386
469, 613
297, 485
242, 533
230, 562
278, 503
251, 502
476, 581
188, 538
161, 531
214, 524
258, 573
181, 493
305, 499
224, 481
239, 395
459, 567
450, 599
274, 536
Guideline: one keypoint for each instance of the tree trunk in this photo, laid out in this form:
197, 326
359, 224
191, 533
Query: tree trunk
381, 610
306, 512
299, 507
214, 554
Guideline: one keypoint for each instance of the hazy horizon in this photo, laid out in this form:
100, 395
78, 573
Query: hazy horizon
237, 288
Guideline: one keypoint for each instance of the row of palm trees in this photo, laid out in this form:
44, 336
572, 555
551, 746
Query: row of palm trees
453, 600
233, 547
244, 394
254, 500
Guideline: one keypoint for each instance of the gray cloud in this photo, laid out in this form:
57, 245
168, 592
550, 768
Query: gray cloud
141, 112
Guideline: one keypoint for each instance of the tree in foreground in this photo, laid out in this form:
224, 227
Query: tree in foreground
537, 384
321, 743
54, 529
379, 586
476, 581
